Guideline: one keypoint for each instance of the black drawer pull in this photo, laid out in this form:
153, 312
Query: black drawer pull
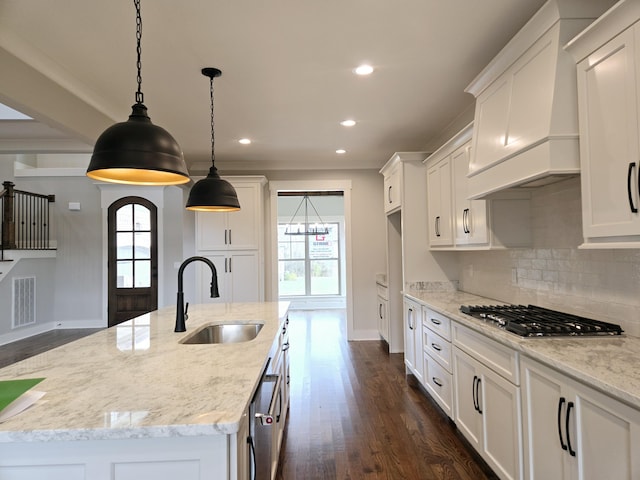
633, 208
560, 403
436, 347
566, 427
437, 381
435, 321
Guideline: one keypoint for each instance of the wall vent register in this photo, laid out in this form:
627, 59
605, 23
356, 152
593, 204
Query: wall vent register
533, 321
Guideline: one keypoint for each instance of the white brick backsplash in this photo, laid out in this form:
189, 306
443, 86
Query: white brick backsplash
602, 284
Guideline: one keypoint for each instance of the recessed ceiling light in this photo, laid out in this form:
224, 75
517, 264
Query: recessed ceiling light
244, 141
348, 123
340, 151
364, 70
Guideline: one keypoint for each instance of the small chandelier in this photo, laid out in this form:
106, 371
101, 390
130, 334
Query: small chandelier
212, 193
306, 228
136, 151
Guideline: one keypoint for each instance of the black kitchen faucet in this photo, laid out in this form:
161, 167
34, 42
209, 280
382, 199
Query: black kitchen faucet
181, 312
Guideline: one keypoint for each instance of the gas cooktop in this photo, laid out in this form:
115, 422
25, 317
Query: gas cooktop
533, 321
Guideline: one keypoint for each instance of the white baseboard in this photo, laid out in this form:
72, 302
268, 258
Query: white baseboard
360, 335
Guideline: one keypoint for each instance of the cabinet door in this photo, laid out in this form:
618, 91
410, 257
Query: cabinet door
392, 189
244, 225
411, 319
383, 318
467, 417
544, 434
499, 401
607, 90
234, 230
607, 441
238, 277
439, 203
470, 216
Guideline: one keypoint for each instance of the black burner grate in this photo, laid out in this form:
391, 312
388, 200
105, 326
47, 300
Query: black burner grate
533, 321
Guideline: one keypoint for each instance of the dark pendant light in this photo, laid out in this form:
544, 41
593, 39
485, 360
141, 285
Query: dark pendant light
136, 151
212, 193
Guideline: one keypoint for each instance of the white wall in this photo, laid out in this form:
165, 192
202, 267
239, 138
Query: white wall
600, 284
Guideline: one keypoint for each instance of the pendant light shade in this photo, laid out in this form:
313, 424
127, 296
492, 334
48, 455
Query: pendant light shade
212, 193
137, 151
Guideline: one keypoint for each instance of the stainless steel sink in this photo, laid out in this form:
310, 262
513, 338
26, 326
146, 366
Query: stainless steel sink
223, 333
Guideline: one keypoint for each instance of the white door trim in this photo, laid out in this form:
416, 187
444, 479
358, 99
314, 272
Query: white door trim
310, 186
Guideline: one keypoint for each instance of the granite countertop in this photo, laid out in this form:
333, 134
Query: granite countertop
609, 364
135, 380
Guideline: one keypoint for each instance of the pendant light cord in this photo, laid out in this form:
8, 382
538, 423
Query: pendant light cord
139, 95
213, 154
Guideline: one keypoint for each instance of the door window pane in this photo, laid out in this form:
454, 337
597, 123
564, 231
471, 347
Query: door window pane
141, 217
124, 218
143, 245
124, 274
142, 274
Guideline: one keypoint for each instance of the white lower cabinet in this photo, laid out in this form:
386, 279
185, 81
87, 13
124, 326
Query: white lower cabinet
438, 372
238, 277
382, 311
486, 404
413, 338
572, 431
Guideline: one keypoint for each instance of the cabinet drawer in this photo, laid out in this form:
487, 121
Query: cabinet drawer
437, 347
438, 382
382, 291
501, 359
437, 323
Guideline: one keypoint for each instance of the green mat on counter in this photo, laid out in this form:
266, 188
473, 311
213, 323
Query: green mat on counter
12, 389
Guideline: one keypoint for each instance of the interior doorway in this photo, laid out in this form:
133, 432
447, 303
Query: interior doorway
344, 297
311, 249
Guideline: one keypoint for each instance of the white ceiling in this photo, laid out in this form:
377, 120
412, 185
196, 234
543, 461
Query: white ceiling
287, 77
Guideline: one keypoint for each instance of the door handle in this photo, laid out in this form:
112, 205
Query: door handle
566, 427
633, 208
380, 311
560, 404
465, 221
409, 318
389, 193
474, 393
438, 226
269, 417
478, 395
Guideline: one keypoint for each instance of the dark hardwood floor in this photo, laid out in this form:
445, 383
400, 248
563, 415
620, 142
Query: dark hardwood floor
355, 414
21, 349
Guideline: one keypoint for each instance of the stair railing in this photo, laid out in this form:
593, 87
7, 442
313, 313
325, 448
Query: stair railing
26, 220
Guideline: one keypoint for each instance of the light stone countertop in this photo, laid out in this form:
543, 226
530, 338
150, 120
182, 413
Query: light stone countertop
609, 364
135, 380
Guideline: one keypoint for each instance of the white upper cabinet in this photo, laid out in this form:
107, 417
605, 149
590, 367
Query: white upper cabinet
393, 173
455, 221
239, 230
608, 65
526, 128
439, 203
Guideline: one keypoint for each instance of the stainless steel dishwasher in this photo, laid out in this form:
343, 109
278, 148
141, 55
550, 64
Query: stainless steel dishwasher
264, 413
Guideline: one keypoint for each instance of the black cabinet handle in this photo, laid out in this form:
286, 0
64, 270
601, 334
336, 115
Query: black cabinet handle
560, 403
389, 193
409, 317
438, 226
474, 393
436, 347
633, 208
566, 425
465, 221
435, 321
478, 395
437, 381
380, 311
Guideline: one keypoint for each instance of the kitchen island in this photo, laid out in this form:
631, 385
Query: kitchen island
132, 401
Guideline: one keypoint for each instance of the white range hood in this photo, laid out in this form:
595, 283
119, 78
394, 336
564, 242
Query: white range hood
526, 118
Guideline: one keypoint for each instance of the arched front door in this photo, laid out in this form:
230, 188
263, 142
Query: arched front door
133, 259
